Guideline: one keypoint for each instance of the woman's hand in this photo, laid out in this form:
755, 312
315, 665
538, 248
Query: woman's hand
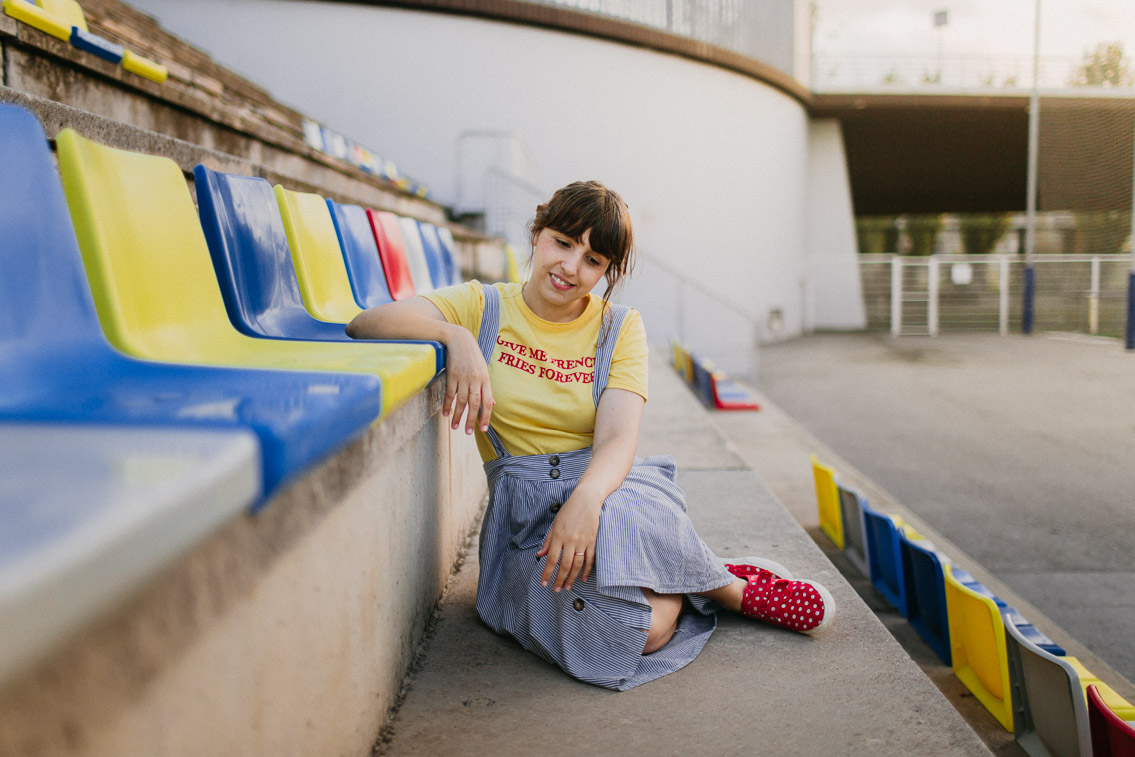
571, 541
466, 373
466, 382
576, 527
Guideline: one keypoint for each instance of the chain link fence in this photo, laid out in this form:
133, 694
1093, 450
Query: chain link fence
955, 293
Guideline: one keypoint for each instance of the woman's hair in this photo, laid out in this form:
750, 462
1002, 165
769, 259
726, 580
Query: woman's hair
585, 205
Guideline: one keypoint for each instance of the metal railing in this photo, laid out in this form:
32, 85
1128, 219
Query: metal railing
849, 72
763, 30
954, 293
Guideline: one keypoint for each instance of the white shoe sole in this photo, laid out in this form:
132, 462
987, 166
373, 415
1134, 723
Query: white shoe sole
760, 562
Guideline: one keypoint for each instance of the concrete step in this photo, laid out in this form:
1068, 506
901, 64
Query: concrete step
755, 689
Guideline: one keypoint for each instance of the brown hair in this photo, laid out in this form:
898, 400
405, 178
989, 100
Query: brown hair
588, 205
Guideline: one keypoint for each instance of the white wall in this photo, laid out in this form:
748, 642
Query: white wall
834, 297
714, 165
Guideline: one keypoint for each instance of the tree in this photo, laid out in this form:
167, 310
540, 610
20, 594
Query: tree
922, 231
1105, 67
981, 233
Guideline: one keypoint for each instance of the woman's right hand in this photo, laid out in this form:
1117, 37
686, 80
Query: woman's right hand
467, 375
467, 386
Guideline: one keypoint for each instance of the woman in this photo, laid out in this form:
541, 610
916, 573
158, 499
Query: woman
587, 557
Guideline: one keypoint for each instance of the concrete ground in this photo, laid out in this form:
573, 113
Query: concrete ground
1019, 450
755, 689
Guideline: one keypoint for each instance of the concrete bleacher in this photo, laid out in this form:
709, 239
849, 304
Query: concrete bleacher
291, 631
754, 689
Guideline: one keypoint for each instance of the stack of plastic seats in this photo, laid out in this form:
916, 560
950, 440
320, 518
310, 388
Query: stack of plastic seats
1025, 680
713, 387
65, 20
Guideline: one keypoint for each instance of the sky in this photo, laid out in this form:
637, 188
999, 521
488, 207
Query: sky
976, 27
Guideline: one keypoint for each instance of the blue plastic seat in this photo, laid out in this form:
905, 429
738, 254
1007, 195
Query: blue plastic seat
360, 252
242, 224
926, 593
442, 269
90, 512
57, 365
881, 534
449, 250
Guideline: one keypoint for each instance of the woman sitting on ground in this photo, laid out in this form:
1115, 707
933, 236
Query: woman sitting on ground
587, 556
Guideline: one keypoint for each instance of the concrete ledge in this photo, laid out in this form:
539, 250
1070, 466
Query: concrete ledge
285, 633
755, 689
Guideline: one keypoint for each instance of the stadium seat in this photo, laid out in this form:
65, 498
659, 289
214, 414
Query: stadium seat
449, 254
416, 255
1050, 714
884, 556
827, 499
440, 272
977, 643
512, 265
360, 252
727, 394
68, 12
243, 227
27, 12
317, 256
90, 512
924, 574
854, 541
56, 364
388, 235
1113, 735
157, 292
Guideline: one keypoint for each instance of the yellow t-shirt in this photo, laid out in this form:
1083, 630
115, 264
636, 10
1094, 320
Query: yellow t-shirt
541, 372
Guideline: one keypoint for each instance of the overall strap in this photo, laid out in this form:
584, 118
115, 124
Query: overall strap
605, 349
487, 341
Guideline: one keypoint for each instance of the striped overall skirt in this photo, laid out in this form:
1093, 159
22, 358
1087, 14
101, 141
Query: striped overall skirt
596, 631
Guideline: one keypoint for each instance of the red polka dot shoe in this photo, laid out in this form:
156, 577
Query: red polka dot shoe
751, 566
802, 605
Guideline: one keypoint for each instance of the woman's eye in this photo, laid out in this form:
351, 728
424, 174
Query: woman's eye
562, 243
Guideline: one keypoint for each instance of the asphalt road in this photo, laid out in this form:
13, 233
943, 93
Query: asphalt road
1020, 450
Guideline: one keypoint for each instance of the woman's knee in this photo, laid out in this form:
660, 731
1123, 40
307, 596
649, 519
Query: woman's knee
664, 612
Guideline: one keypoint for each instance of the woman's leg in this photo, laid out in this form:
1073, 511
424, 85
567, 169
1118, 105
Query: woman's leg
664, 612
728, 596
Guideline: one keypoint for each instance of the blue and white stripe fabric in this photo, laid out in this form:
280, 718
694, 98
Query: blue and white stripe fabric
596, 631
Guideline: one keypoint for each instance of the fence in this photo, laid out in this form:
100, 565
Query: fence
953, 293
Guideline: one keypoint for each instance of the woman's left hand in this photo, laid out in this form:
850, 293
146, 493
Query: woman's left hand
571, 541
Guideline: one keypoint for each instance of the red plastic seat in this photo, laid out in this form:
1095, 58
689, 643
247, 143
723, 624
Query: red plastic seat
1111, 735
392, 250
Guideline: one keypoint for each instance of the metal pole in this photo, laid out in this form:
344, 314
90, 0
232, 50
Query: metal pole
896, 295
1003, 284
932, 296
1094, 296
1030, 222
1131, 271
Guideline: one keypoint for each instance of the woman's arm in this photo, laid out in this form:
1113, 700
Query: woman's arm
577, 524
467, 375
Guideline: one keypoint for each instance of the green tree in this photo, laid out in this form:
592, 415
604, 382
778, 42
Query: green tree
981, 232
1104, 67
877, 234
922, 230
1102, 232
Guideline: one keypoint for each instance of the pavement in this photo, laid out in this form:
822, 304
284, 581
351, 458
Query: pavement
1018, 450
755, 689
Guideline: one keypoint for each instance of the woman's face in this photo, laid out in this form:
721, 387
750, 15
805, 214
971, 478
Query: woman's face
564, 272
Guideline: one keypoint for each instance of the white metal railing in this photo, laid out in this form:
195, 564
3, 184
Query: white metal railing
763, 30
949, 293
929, 73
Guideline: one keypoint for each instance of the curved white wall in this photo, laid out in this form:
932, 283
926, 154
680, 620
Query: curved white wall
714, 165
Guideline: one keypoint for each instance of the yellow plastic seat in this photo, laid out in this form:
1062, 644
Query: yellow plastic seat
29, 13
1117, 704
827, 498
317, 256
977, 645
69, 12
154, 284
